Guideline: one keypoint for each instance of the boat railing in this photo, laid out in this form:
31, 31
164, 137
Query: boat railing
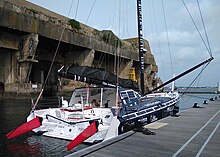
70, 122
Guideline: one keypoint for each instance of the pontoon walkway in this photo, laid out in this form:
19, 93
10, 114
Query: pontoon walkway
195, 133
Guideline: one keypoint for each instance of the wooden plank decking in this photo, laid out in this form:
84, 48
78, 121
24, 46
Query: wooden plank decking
195, 133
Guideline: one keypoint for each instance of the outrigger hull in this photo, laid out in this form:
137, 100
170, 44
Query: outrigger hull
59, 123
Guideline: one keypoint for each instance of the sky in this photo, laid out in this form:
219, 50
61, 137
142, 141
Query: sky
174, 39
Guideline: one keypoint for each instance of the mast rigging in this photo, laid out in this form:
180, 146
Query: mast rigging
182, 74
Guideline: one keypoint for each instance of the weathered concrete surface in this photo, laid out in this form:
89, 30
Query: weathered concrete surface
16, 17
29, 36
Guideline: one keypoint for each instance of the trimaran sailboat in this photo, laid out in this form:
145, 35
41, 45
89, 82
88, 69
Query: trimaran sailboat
120, 107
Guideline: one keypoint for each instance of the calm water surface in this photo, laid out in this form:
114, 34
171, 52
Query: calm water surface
188, 100
14, 112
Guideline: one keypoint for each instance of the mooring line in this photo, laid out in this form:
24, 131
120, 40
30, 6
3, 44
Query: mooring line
210, 136
174, 155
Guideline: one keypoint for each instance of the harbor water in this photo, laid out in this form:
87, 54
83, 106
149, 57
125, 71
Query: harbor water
14, 112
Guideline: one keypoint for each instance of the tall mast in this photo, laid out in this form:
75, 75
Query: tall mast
140, 41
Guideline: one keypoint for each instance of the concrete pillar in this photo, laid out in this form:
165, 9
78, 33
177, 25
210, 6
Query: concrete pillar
125, 69
27, 57
6, 64
149, 76
87, 59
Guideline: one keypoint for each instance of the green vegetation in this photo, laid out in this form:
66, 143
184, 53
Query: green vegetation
96, 33
110, 38
74, 24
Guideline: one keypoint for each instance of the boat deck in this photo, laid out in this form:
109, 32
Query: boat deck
195, 133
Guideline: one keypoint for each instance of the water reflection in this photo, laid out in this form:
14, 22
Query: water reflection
13, 113
24, 149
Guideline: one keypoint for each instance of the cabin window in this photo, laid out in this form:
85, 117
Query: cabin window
131, 94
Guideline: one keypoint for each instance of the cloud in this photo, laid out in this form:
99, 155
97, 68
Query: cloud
177, 37
187, 48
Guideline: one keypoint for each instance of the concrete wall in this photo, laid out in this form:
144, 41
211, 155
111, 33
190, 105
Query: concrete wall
6, 74
25, 64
